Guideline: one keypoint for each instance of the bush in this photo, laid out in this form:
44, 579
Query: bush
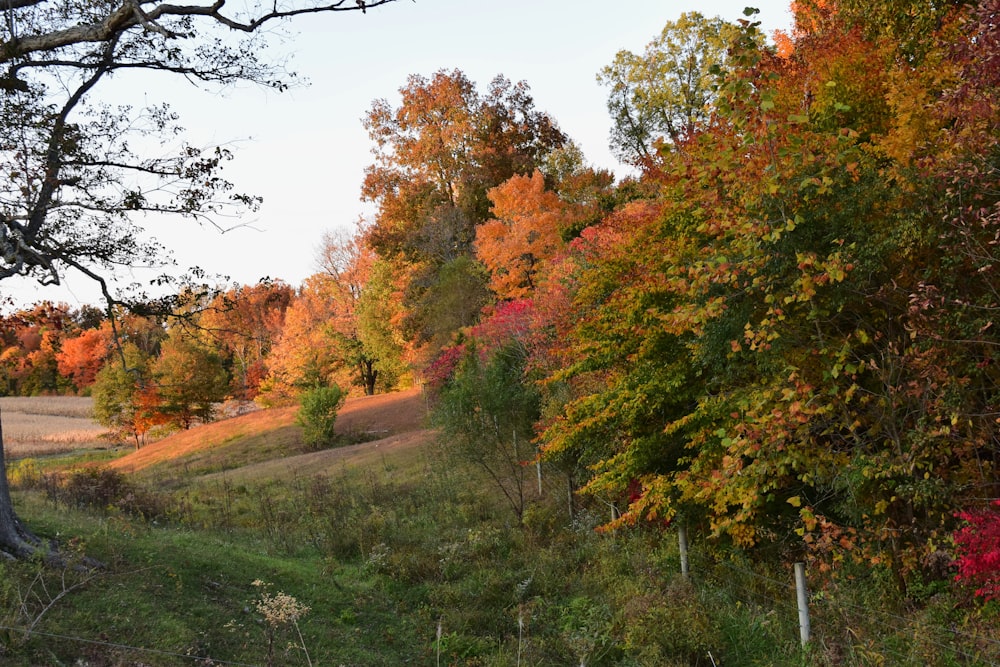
978, 546
318, 414
106, 490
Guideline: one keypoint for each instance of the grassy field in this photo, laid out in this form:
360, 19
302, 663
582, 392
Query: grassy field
403, 555
45, 425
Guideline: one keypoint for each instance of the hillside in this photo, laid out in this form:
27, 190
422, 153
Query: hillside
384, 421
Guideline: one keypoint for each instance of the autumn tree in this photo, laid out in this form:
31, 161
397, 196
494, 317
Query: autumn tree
244, 322
526, 230
30, 346
303, 355
75, 178
82, 356
439, 152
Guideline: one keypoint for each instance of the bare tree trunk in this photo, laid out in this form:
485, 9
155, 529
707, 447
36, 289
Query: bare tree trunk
15, 540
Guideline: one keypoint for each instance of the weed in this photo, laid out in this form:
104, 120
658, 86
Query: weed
281, 612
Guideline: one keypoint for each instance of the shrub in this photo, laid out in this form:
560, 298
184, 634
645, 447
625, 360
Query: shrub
105, 489
318, 414
978, 545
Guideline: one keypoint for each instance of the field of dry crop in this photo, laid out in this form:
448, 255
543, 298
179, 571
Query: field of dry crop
39, 425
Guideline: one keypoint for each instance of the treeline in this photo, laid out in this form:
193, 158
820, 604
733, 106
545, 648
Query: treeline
266, 343
781, 333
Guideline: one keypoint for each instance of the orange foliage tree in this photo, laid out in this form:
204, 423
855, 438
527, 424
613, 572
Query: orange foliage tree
526, 231
244, 323
82, 356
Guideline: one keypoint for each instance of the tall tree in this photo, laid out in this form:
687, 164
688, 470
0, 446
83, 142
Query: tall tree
360, 328
73, 176
439, 152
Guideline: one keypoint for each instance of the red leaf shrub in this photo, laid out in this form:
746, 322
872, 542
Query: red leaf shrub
978, 547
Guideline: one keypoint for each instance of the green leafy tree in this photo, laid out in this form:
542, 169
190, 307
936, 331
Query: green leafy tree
190, 379
453, 299
124, 400
378, 311
664, 96
487, 411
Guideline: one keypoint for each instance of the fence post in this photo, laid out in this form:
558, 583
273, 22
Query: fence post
682, 544
802, 596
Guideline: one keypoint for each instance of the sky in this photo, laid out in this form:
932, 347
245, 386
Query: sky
305, 150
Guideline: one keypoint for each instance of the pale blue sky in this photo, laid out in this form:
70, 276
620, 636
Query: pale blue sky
305, 150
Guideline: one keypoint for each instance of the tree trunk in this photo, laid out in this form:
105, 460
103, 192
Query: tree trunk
369, 375
15, 540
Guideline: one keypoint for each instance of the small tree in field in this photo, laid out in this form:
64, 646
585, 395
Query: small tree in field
318, 415
487, 411
190, 379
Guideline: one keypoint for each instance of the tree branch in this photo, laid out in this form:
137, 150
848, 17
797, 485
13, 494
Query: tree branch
129, 15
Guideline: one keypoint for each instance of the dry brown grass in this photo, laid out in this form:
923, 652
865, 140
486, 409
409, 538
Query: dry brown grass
40, 425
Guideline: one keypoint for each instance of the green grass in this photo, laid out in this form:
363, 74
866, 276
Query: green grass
387, 547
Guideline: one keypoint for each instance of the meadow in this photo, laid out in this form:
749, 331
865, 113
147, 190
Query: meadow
234, 544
